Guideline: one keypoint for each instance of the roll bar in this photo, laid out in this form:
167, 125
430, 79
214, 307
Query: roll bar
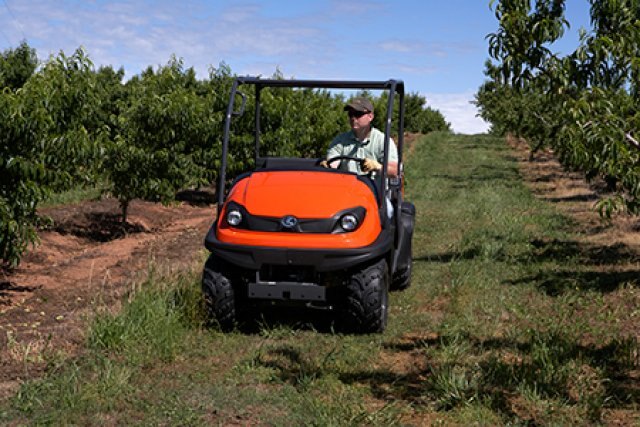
395, 87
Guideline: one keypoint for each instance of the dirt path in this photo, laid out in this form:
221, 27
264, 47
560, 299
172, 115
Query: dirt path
87, 257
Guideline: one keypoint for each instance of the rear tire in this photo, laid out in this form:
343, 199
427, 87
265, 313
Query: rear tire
403, 257
402, 279
367, 299
218, 294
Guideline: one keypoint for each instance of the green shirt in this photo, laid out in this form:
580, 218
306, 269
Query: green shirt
346, 144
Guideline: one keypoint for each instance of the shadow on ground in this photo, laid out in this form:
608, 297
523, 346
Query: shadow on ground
98, 227
8, 288
602, 268
494, 379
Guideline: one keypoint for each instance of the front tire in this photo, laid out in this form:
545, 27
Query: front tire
367, 299
218, 294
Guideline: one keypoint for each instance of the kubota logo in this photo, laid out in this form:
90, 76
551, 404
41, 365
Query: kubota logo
289, 221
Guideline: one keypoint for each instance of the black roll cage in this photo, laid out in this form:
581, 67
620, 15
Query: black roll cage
395, 87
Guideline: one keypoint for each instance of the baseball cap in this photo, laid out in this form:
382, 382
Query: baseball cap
359, 104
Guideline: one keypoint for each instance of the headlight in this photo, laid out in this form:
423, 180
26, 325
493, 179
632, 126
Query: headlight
234, 217
349, 222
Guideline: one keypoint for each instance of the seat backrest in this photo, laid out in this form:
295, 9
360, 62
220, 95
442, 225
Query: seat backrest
293, 163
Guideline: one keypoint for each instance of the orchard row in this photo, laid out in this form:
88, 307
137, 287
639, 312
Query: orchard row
65, 124
584, 105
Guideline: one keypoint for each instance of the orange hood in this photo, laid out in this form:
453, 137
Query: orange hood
304, 194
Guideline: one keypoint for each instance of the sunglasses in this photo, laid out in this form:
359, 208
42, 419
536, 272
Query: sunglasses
357, 114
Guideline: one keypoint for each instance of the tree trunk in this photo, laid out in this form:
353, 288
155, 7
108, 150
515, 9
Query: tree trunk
124, 205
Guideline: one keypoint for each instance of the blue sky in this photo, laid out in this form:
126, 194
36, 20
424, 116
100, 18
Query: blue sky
437, 47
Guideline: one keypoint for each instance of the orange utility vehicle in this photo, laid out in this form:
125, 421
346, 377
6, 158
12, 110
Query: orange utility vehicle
292, 232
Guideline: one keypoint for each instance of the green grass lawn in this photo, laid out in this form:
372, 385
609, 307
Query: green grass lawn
507, 321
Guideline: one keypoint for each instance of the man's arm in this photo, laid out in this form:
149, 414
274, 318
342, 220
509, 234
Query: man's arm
392, 169
392, 165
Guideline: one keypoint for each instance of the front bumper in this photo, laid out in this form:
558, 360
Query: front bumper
322, 260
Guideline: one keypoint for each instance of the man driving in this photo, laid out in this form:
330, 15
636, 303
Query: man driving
363, 141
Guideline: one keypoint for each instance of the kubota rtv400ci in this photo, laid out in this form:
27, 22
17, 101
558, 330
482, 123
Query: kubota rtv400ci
290, 231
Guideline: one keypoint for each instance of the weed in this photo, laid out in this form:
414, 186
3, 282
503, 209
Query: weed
27, 353
451, 386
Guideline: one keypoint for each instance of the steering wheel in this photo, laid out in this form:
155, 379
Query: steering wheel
347, 158
351, 159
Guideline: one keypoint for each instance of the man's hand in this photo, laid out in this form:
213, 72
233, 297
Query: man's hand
369, 165
324, 164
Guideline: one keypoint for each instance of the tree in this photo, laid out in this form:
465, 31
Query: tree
420, 118
160, 127
17, 65
45, 145
583, 105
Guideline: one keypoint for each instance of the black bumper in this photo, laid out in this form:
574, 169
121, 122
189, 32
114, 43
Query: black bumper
323, 260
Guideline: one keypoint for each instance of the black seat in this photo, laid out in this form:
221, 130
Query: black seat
286, 163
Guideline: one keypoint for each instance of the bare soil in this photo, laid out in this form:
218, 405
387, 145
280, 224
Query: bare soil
87, 257
574, 196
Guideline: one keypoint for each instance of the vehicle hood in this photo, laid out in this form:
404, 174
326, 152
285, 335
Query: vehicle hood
304, 194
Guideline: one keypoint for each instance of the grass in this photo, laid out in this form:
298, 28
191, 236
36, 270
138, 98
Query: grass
75, 195
509, 321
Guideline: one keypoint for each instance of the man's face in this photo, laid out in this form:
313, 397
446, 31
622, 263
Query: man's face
359, 119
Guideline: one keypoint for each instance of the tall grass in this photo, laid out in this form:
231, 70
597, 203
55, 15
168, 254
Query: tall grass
508, 321
75, 195
152, 325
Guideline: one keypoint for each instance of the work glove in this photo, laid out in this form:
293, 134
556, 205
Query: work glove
369, 165
324, 164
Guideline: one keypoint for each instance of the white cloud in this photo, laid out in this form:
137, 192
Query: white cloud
458, 110
398, 46
414, 69
239, 14
135, 36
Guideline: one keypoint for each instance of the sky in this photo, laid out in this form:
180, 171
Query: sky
437, 47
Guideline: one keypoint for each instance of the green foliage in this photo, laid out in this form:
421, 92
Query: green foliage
418, 117
45, 145
299, 123
160, 128
520, 44
113, 95
216, 92
422, 119
584, 105
16, 66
